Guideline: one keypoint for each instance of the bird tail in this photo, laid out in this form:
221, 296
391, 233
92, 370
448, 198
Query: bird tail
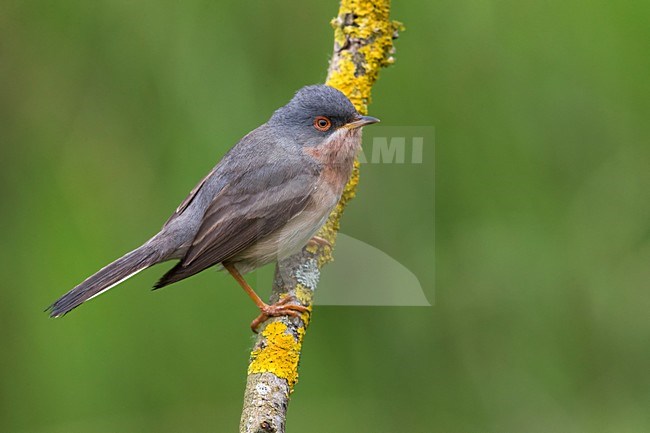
108, 277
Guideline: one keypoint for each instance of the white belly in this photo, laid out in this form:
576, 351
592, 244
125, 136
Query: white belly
289, 239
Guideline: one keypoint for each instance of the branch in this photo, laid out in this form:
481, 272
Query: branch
363, 44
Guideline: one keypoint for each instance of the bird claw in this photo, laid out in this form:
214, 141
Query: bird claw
283, 307
317, 241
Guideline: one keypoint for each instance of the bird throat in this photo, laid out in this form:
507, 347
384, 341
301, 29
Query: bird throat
336, 155
339, 150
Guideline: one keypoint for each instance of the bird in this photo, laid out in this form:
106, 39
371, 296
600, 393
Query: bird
263, 201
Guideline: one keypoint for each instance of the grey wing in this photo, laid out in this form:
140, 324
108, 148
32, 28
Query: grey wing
190, 198
248, 209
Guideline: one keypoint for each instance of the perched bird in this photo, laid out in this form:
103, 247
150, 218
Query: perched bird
263, 201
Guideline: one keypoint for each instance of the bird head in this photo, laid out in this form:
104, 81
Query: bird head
317, 113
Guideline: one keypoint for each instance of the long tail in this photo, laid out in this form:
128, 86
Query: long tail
109, 277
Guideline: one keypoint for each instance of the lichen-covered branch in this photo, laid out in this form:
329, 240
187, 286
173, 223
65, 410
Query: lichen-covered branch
363, 44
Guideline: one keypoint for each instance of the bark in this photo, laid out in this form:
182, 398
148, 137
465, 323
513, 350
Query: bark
363, 44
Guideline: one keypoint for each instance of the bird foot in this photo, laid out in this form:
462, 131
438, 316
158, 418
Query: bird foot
281, 308
317, 241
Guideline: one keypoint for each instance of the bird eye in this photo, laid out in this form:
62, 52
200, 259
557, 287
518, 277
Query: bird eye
322, 123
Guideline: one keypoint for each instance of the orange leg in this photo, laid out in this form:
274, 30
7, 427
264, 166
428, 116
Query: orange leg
281, 308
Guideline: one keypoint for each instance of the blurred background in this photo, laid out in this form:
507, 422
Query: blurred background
111, 111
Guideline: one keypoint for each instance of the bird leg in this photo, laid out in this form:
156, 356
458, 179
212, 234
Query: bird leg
281, 308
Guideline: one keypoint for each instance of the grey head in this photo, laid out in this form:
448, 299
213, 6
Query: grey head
315, 113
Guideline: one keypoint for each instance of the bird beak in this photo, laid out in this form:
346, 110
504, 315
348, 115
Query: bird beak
361, 121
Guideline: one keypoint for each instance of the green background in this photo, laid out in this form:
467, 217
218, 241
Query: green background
110, 111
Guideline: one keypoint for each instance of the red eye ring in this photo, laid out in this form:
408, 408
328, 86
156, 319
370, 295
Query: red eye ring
322, 123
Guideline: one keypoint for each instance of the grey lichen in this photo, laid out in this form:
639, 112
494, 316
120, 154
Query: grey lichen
308, 274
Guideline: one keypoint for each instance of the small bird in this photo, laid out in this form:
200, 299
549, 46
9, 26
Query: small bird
263, 201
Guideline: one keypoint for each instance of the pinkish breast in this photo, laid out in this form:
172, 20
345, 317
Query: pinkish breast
337, 158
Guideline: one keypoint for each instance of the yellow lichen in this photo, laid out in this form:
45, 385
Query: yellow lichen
303, 294
366, 23
279, 354
312, 248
